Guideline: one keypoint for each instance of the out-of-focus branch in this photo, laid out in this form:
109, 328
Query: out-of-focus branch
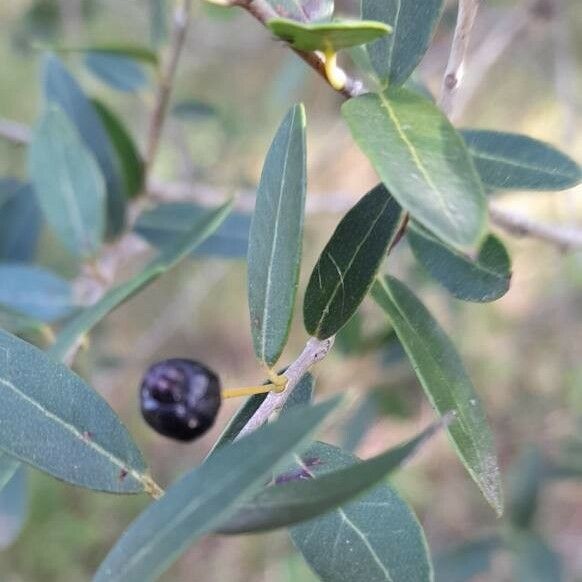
459, 47
565, 238
181, 19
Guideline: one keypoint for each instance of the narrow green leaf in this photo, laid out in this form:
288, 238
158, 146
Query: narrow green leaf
20, 225
8, 466
68, 183
128, 155
35, 292
485, 279
534, 560
55, 422
13, 507
375, 538
167, 259
394, 57
445, 381
135, 52
198, 502
422, 160
465, 562
275, 242
510, 161
326, 36
62, 89
193, 110
348, 264
119, 72
163, 223
158, 20
288, 503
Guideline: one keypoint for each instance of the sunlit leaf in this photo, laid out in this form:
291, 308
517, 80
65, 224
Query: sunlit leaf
422, 160
326, 36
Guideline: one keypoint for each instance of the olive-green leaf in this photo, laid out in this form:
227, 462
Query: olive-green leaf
168, 258
62, 90
13, 507
68, 183
296, 497
327, 36
54, 421
445, 381
510, 161
376, 538
275, 242
349, 262
422, 160
484, 279
413, 24
35, 292
130, 161
198, 502
132, 51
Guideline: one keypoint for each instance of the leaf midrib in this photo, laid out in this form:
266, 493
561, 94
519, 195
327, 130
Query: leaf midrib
348, 267
416, 158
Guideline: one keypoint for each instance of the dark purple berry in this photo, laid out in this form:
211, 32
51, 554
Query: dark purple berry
180, 398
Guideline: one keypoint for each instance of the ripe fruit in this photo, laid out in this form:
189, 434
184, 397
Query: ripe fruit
180, 398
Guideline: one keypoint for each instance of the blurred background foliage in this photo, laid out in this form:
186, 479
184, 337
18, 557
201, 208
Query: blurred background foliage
234, 85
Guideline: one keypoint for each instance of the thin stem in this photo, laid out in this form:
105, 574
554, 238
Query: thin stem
459, 47
314, 351
250, 390
181, 21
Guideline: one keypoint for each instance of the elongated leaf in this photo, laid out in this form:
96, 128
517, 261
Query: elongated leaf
131, 51
128, 155
55, 422
325, 36
485, 279
464, 562
68, 183
347, 266
193, 110
376, 538
13, 507
304, 498
20, 225
276, 236
167, 258
510, 161
422, 160
534, 560
61, 88
195, 504
445, 382
117, 71
167, 221
8, 466
35, 292
413, 24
